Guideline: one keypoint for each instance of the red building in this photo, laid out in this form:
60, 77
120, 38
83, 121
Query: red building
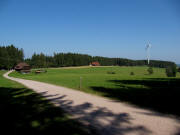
96, 63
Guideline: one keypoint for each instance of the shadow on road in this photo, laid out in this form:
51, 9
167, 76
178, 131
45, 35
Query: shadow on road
105, 121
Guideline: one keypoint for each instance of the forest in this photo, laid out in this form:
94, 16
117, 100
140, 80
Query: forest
10, 56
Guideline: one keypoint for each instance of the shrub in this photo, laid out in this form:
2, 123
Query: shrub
150, 70
171, 71
178, 69
132, 73
111, 72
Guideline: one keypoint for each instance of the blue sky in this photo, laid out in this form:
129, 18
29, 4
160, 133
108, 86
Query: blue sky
112, 28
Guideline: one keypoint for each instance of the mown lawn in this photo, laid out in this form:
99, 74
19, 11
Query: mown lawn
24, 112
154, 91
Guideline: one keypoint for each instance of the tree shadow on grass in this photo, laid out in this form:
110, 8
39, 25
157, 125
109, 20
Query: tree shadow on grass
23, 112
159, 94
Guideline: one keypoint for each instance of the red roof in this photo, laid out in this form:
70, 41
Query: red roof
96, 63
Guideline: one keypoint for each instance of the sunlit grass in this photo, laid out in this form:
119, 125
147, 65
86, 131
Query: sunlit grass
92, 76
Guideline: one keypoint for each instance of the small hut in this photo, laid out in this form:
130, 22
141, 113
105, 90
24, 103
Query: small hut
23, 67
96, 63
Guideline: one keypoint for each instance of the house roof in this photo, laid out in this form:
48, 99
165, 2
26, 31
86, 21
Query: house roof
21, 65
95, 63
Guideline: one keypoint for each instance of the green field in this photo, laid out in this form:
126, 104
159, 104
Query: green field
93, 76
23, 112
154, 91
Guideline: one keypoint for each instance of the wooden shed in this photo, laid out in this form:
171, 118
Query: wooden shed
23, 67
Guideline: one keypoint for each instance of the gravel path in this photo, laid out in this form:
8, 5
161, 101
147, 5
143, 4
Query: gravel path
108, 116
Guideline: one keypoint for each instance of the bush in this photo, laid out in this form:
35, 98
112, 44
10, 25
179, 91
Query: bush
111, 72
132, 73
150, 70
171, 71
178, 69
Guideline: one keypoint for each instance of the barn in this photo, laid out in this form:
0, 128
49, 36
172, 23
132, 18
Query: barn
96, 63
23, 67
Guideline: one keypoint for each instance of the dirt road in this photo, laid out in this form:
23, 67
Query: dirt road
108, 116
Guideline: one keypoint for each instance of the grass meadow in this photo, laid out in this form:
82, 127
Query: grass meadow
24, 112
155, 91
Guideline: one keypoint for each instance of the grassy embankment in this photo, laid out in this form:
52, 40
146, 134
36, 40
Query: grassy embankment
23, 112
154, 91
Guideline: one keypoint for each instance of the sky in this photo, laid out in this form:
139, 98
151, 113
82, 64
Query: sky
110, 28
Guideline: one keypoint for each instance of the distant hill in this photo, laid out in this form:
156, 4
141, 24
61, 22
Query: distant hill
178, 65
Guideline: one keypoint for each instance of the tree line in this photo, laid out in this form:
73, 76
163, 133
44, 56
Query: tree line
75, 59
10, 56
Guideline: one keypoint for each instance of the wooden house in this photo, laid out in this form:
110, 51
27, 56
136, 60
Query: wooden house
23, 67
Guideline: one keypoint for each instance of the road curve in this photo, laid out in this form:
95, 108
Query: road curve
109, 117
